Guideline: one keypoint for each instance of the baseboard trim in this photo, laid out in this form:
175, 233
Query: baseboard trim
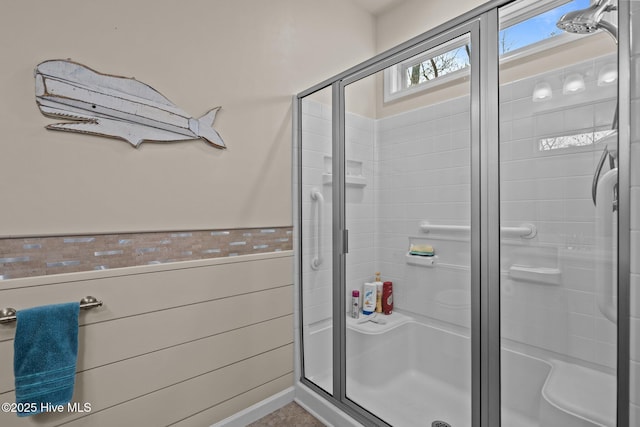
259, 410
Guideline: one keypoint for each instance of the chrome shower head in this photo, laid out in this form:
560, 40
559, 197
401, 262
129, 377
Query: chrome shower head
589, 20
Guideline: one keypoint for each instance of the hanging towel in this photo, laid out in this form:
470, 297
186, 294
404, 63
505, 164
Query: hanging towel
45, 355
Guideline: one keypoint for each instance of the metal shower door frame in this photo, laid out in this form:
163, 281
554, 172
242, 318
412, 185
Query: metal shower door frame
479, 189
485, 292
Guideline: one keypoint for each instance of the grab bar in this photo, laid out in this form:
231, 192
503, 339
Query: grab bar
525, 231
317, 259
9, 314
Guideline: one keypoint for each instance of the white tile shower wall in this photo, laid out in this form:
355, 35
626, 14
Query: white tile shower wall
316, 162
360, 202
552, 189
422, 173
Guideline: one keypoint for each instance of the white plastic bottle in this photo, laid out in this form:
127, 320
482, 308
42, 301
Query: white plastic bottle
378, 284
355, 304
369, 299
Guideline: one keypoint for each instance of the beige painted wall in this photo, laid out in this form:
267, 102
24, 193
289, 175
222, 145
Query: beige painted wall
249, 56
414, 17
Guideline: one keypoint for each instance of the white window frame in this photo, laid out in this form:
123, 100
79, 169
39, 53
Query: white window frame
395, 76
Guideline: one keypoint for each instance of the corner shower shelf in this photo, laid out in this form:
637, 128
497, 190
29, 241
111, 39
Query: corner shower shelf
393, 320
423, 261
350, 180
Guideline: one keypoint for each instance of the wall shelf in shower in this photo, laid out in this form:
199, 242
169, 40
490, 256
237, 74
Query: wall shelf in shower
350, 180
541, 275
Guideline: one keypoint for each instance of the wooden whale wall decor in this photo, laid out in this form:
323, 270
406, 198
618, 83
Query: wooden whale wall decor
115, 107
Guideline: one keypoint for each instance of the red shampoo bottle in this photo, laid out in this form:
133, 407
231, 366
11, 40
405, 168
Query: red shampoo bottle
387, 297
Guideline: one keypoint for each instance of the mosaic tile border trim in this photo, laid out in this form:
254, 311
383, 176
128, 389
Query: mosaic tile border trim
42, 256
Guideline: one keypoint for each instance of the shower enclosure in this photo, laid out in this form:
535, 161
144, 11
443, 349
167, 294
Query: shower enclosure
484, 176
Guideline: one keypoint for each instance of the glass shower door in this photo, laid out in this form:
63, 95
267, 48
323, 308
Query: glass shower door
316, 266
408, 214
558, 214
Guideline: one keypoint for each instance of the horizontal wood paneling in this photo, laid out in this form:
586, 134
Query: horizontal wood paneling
196, 327
172, 404
145, 290
237, 403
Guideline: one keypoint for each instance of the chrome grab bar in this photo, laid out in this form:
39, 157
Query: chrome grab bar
316, 261
525, 231
9, 314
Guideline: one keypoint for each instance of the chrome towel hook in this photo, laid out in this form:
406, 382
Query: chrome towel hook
9, 314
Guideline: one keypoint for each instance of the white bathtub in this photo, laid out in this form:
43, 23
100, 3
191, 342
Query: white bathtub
411, 374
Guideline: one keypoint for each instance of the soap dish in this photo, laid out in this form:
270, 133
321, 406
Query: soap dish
423, 261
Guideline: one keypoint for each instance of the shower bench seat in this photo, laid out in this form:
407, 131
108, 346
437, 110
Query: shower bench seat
581, 396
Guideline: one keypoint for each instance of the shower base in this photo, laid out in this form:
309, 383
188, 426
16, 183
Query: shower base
409, 373
424, 400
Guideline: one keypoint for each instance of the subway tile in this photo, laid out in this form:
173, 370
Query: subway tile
506, 130
549, 124
605, 330
311, 108
635, 295
577, 210
521, 108
635, 252
634, 391
581, 325
604, 113
635, 207
579, 279
578, 118
581, 302
522, 128
523, 89
635, 339
634, 410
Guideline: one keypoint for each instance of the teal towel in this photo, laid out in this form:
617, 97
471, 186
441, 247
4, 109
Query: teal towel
45, 355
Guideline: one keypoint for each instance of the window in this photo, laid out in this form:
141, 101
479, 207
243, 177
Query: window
527, 27
576, 140
446, 63
533, 22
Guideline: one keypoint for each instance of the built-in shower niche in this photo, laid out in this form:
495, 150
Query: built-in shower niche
354, 176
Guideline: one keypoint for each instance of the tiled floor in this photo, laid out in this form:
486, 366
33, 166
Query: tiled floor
289, 415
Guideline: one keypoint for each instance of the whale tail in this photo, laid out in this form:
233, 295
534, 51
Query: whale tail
206, 130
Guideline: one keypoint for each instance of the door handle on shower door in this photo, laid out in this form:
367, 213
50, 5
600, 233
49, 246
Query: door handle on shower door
316, 261
345, 241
